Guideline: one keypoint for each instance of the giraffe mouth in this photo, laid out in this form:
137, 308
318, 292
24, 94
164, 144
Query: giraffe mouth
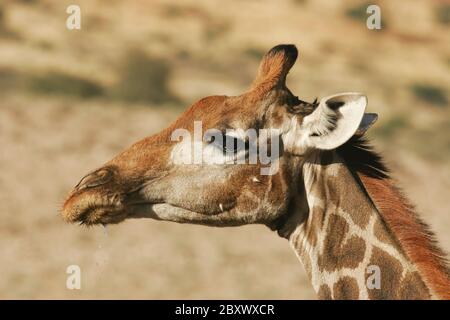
105, 198
87, 212
108, 214
89, 207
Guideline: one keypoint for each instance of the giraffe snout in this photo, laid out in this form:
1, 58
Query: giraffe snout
94, 179
97, 198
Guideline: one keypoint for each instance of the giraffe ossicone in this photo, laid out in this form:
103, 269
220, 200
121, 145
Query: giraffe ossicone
331, 196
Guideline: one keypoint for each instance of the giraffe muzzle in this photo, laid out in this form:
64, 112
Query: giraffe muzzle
96, 199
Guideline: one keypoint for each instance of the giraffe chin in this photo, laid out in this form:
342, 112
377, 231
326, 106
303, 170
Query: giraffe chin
87, 214
168, 212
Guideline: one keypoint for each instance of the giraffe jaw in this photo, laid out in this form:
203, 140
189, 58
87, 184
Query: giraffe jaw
90, 208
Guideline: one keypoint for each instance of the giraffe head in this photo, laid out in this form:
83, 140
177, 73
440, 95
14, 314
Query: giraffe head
153, 179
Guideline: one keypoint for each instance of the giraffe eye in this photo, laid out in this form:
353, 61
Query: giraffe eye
233, 145
230, 144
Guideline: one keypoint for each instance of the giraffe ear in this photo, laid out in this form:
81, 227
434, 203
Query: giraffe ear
336, 119
367, 121
275, 66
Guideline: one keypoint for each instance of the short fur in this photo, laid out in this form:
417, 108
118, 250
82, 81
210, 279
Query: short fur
413, 234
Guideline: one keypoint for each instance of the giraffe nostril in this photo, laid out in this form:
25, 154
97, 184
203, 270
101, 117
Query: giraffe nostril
95, 179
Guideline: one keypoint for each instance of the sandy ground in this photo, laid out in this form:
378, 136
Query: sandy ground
48, 142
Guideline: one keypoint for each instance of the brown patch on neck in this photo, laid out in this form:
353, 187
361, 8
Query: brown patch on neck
390, 274
337, 253
413, 234
324, 292
346, 288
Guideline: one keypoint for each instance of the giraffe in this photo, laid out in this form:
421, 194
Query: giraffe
331, 197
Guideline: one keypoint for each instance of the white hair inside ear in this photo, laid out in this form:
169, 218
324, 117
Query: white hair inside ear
335, 120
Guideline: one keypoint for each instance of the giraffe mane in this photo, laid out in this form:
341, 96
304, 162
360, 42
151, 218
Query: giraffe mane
413, 234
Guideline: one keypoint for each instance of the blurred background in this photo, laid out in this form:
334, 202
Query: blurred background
72, 99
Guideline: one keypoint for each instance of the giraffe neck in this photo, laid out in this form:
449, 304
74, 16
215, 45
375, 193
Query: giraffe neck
342, 241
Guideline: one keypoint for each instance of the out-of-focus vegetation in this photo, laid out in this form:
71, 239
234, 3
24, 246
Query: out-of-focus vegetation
9, 79
431, 94
2, 17
254, 53
144, 79
359, 13
443, 13
391, 127
57, 83
5, 31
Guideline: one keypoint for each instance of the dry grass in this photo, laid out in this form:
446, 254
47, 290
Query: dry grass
191, 49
